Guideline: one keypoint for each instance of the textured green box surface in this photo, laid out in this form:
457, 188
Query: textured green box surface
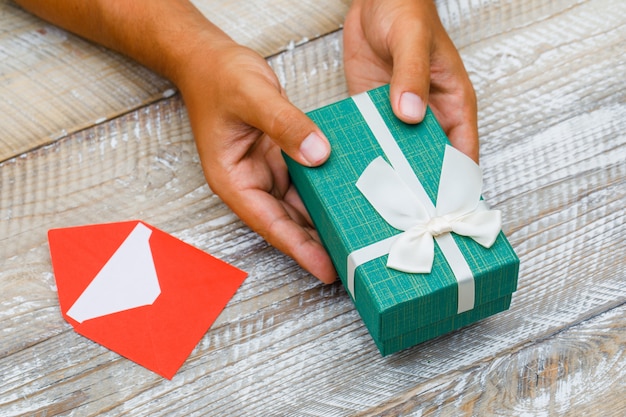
399, 309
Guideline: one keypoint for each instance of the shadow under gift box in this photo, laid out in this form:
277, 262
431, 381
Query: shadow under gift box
399, 309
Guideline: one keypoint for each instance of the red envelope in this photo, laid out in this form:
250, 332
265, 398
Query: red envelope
138, 291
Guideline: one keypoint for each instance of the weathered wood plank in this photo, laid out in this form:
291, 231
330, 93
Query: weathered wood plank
580, 371
56, 83
53, 83
287, 344
270, 27
474, 21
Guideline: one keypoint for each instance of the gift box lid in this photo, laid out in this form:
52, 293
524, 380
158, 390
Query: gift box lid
390, 302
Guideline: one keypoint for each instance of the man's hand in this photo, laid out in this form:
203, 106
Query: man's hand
241, 119
403, 42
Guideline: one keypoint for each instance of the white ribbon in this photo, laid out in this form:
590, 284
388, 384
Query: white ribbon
399, 197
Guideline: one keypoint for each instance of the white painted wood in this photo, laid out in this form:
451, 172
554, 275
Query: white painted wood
553, 117
577, 372
53, 83
270, 27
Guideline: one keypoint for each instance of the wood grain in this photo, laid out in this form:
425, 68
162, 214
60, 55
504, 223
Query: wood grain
53, 83
271, 27
555, 376
553, 117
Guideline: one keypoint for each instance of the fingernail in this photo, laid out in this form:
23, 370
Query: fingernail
314, 149
411, 106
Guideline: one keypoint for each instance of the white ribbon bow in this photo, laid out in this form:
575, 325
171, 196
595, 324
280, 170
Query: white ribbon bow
459, 209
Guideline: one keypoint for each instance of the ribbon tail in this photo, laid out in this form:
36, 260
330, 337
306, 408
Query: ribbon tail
412, 252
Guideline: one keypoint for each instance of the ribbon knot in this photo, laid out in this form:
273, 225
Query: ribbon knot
438, 225
458, 209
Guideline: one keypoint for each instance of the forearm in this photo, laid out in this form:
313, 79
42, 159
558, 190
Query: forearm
160, 34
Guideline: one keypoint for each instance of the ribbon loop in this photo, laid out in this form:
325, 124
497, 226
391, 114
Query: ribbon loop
390, 196
458, 209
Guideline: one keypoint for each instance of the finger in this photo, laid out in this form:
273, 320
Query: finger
453, 100
269, 111
464, 136
293, 199
410, 47
457, 114
267, 216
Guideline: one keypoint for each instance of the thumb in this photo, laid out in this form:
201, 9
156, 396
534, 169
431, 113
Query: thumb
410, 48
288, 126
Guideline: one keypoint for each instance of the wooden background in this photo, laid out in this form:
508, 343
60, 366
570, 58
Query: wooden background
87, 136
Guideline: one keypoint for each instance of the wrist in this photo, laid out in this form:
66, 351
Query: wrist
201, 69
194, 56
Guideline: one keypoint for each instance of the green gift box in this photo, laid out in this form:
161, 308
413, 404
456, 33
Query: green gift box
466, 282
